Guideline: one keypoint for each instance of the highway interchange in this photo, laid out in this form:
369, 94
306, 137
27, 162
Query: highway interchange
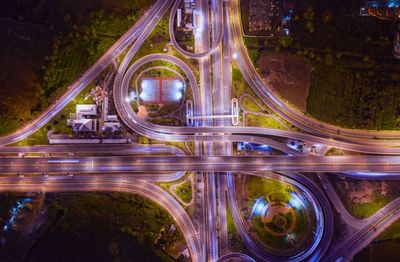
135, 168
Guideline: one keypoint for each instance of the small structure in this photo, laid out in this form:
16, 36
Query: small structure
184, 256
112, 118
111, 126
84, 125
178, 17
188, 27
86, 110
105, 108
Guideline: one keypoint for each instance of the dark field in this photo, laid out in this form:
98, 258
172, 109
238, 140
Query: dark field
355, 81
354, 78
46, 44
95, 227
379, 251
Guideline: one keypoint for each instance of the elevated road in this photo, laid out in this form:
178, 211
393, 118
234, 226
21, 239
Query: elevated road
281, 107
355, 242
117, 164
116, 184
93, 149
197, 31
217, 133
73, 90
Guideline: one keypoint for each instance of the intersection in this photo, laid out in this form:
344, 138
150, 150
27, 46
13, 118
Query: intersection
135, 168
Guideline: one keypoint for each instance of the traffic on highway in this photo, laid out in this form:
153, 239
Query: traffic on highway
213, 128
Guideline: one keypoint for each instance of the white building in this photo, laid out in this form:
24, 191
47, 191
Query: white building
105, 108
84, 125
86, 110
79, 123
112, 118
178, 17
111, 126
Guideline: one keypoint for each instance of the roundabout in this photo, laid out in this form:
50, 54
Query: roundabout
281, 219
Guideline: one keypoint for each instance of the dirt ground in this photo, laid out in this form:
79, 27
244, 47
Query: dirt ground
288, 75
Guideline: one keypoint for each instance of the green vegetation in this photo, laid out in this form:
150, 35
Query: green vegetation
147, 141
262, 121
232, 230
257, 186
354, 79
184, 191
234, 240
7, 200
101, 226
74, 52
59, 123
250, 105
364, 198
158, 40
239, 85
331, 152
76, 41
37, 138
353, 94
364, 210
185, 40
167, 121
392, 232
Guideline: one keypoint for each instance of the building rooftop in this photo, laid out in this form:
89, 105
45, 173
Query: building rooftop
84, 125
86, 110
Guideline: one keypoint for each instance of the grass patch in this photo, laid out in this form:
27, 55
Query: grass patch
250, 105
184, 191
263, 121
234, 239
365, 210
239, 85
364, 198
257, 186
37, 138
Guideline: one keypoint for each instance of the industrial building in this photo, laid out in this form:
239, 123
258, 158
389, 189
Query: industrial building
389, 10
81, 120
86, 110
